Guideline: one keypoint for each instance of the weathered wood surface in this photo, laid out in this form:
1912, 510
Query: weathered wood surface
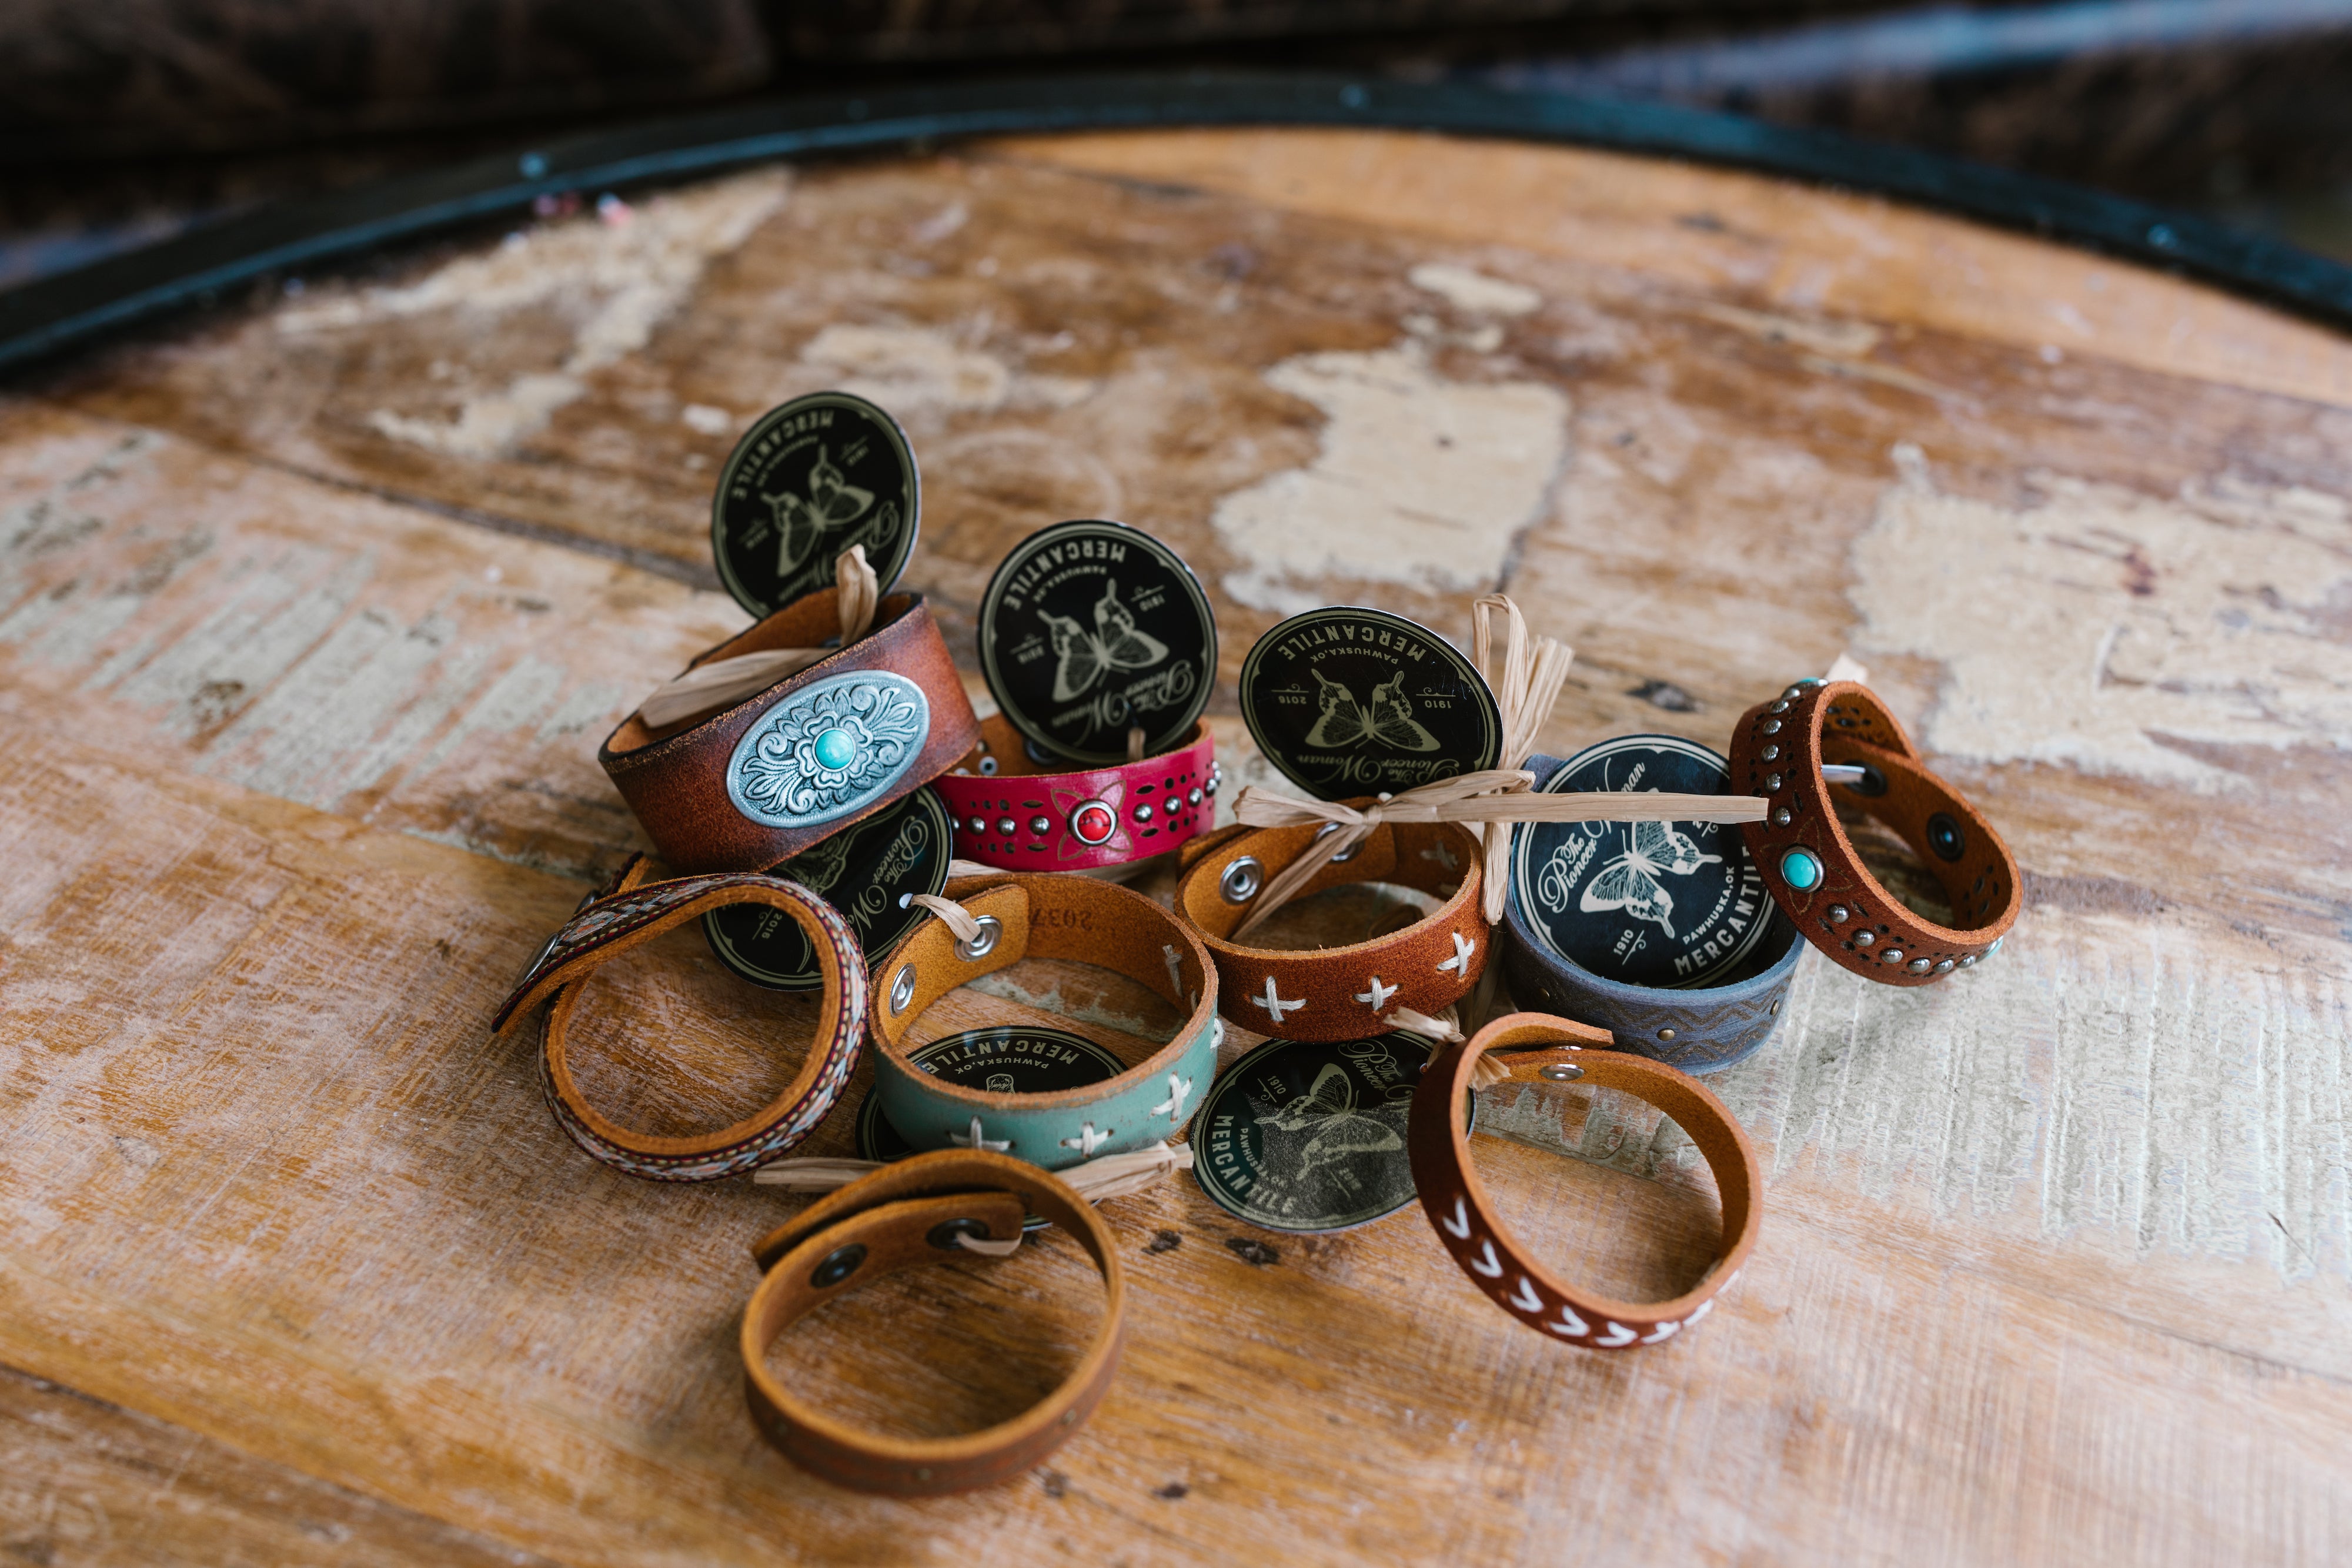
311, 615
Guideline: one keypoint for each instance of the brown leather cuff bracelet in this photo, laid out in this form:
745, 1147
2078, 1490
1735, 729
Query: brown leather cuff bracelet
1809, 865
752, 785
636, 911
1340, 993
1539, 1047
1047, 917
910, 1213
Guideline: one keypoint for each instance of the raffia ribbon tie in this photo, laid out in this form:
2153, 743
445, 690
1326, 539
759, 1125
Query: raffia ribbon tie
707, 688
1525, 688
953, 916
1111, 1176
1443, 1031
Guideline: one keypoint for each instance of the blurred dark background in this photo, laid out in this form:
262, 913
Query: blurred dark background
123, 120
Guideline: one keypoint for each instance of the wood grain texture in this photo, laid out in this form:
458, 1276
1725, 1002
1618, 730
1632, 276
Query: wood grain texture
311, 617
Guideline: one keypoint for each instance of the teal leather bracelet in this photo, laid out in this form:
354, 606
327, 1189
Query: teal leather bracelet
1045, 916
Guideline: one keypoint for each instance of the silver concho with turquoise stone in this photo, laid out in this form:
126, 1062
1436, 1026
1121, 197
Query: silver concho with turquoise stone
829, 749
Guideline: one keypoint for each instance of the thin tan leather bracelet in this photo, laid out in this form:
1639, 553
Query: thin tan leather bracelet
1456, 1200
1340, 993
905, 1213
635, 911
1809, 865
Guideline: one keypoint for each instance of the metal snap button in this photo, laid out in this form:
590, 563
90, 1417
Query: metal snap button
983, 944
1240, 881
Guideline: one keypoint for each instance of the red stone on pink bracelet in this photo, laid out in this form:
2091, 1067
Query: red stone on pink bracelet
1009, 815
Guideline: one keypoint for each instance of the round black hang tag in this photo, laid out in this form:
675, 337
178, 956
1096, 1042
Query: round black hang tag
1090, 628
1310, 1137
807, 481
1002, 1059
867, 871
1649, 904
1360, 702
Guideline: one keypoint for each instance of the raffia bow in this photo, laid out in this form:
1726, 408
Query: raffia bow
706, 688
1524, 687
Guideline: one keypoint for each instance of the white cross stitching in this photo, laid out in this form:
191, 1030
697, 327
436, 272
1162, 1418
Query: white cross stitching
1086, 1142
1273, 1003
1378, 996
1463, 949
975, 1141
1441, 854
1175, 969
1173, 1106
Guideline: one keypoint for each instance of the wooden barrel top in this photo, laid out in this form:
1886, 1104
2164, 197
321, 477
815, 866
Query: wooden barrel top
315, 609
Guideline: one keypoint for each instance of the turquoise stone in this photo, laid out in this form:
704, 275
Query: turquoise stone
1802, 870
835, 748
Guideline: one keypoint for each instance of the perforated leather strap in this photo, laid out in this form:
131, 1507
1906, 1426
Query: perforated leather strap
635, 911
1456, 1200
751, 785
1021, 816
1341, 993
1048, 917
1809, 865
903, 1215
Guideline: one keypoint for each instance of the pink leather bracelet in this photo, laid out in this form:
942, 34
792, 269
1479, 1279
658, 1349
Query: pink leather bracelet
1011, 815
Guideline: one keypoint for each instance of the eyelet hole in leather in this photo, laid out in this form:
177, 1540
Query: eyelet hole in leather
1598, 1186
1006, 1332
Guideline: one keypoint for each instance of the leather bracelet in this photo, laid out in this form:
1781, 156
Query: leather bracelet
635, 911
1540, 1047
1029, 916
1809, 865
1023, 819
750, 786
1340, 993
910, 1213
1701, 1028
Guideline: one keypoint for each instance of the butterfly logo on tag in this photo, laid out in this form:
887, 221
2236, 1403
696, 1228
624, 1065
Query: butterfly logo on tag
1387, 719
1629, 881
1114, 643
1328, 1110
832, 501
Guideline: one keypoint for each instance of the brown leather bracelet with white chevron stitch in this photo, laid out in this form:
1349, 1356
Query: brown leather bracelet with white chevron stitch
1534, 1047
634, 911
1809, 866
920, 1210
1338, 993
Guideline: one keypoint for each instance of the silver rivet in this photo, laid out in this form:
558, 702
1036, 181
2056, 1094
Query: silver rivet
1344, 856
1793, 693
1007, 826
1783, 817
1780, 706
980, 824
1561, 1072
1193, 799
1041, 826
1891, 956
1211, 787
1240, 881
1864, 938
1945, 968
1772, 783
1996, 945
1771, 754
1968, 961
1666, 1034
1839, 913
983, 941
902, 990
987, 767
1772, 726
1920, 965
1143, 810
